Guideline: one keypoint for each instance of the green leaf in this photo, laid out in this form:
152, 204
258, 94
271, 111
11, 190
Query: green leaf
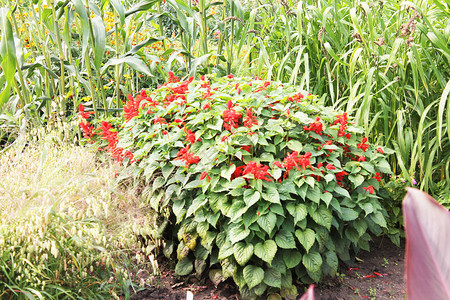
238, 208
383, 167
215, 275
295, 145
133, 61
100, 40
227, 172
314, 194
322, 216
238, 233
267, 222
378, 218
225, 250
356, 180
342, 192
312, 261
292, 258
285, 239
184, 267
348, 214
253, 275
242, 252
326, 197
272, 277
251, 197
266, 251
332, 260
299, 211
271, 195
306, 238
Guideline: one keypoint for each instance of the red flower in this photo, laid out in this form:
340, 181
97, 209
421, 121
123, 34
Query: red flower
340, 176
278, 164
377, 176
294, 160
88, 129
316, 126
131, 108
342, 121
237, 172
164, 132
379, 149
250, 119
363, 145
230, 76
191, 137
82, 113
159, 120
231, 117
224, 138
246, 148
362, 158
263, 87
369, 189
186, 156
172, 78
258, 170
331, 167
207, 106
204, 175
296, 97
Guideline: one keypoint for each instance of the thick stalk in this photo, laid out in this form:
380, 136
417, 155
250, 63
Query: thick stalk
222, 34
62, 83
26, 94
117, 67
98, 74
204, 37
161, 31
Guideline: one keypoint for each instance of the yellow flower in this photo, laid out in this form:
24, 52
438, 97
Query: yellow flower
86, 99
126, 76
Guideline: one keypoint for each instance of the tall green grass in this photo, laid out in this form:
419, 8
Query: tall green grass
384, 62
66, 229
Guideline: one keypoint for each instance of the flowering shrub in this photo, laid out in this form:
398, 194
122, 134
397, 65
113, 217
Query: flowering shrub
261, 182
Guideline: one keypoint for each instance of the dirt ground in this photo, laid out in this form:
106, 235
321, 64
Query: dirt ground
378, 274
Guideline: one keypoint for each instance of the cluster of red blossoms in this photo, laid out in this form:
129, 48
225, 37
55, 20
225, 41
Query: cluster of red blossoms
131, 108
295, 160
88, 129
110, 136
250, 119
316, 126
258, 170
231, 117
105, 133
342, 121
186, 156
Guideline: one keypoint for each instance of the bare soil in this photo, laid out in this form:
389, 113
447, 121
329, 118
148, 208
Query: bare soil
378, 274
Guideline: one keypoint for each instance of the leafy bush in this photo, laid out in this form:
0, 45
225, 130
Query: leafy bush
260, 181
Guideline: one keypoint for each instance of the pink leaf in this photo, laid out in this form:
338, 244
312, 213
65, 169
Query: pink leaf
427, 226
309, 295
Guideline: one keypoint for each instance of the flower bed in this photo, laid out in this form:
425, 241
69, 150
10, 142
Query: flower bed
260, 181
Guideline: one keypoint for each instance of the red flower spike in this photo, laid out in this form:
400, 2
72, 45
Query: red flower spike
204, 175
82, 113
377, 176
250, 119
379, 149
231, 117
368, 189
186, 156
258, 170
